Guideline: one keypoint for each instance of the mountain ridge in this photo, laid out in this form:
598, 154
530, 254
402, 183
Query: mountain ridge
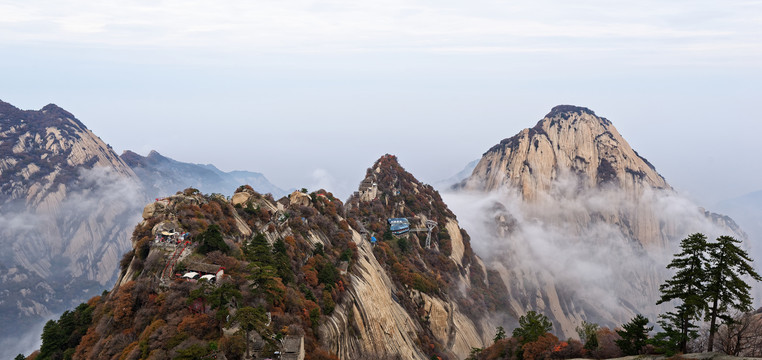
333, 283
163, 175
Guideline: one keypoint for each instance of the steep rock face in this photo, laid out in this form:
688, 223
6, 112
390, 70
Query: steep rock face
444, 289
577, 223
573, 144
568, 139
67, 202
371, 321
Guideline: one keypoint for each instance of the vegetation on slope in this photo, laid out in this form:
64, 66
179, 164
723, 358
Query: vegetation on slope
277, 271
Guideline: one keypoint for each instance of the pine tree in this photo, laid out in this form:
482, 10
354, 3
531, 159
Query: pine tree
725, 288
500, 334
687, 286
211, 240
532, 326
634, 335
588, 335
249, 319
669, 340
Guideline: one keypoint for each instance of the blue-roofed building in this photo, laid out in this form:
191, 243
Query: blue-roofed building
398, 225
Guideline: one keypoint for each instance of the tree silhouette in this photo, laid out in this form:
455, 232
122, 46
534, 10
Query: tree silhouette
725, 288
634, 335
687, 286
587, 334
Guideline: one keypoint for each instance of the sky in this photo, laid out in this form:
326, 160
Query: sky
311, 93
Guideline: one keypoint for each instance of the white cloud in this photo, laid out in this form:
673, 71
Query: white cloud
324, 26
568, 234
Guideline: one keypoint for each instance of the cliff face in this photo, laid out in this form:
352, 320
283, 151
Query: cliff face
569, 151
568, 139
440, 294
578, 224
67, 202
311, 264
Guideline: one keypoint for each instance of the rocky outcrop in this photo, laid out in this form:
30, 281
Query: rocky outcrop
569, 139
299, 199
68, 203
436, 309
371, 321
577, 223
453, 317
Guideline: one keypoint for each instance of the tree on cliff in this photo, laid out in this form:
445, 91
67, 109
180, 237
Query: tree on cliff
686, 286
211, 240
725, 289
249, 319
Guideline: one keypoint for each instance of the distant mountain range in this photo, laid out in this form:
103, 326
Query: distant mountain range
163, 176
460, 176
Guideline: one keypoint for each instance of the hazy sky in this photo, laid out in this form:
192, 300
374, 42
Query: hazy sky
312, 92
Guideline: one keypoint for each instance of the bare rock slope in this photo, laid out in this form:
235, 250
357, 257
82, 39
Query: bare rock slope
579, 224
67, 204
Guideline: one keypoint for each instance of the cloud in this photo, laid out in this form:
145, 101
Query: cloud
390, 26
74, 244
605, 250
322, 179
24, 343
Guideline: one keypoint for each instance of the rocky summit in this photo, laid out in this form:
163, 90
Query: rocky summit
569, 139
577, 222
67, 202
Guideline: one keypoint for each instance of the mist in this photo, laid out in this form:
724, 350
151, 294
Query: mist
64, 251
602, 251
25, 342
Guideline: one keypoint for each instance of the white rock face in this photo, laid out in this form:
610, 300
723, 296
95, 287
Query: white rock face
567, 140
69, 204
576, 222
385, 328
573, 142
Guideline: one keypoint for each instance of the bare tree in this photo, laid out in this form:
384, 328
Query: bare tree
698, 344
742, 336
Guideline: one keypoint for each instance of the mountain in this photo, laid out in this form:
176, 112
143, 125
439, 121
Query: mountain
460, 176
161, 176
579, 225
569, 139
306, 269
747, 211
67, 203
446, 283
